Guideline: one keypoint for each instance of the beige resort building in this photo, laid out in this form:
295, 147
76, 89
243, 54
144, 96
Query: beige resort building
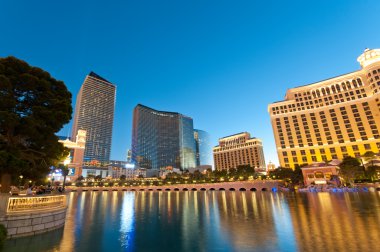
75, 159
239, 149
330, 119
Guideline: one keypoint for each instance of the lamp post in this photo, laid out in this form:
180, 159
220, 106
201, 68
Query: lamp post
65, 171
20, 181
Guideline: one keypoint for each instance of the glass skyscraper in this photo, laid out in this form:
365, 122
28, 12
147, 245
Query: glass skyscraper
162, 139
94, 112
203, 148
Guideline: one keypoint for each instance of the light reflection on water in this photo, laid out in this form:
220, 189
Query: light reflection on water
213, 221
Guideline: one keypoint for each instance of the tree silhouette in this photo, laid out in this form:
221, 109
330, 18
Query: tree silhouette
34, 106
350, 168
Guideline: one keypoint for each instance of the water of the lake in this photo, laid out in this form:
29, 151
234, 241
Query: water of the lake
213, 221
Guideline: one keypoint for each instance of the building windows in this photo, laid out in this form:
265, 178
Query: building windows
331, 126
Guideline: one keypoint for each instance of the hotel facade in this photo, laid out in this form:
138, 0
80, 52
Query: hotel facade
94, 112
239, 149
330, 119
203, 148
162, 139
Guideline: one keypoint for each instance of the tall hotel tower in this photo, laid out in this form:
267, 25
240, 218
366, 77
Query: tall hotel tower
330, 119
94, 112
162, 139
203, 148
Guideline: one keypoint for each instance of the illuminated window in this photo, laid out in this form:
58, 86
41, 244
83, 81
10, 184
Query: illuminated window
310, 176
318, 174
328, 175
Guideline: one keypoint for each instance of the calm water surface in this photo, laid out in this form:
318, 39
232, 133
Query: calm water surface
213, 221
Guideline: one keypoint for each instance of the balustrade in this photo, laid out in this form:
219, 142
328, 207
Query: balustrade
35, 203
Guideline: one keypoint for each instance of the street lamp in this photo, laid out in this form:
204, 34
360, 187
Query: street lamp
65, 172
20, 180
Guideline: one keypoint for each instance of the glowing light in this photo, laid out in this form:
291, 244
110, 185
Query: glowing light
129, 166
67, 161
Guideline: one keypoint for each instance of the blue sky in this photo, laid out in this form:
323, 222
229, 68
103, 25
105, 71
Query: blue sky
220, 62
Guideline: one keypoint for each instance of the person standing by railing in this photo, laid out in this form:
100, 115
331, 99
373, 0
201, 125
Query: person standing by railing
14, 190
29, 191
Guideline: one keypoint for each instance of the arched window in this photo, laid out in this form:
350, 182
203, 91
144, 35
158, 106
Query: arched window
323, 91
318, 94
319, 174
344, 86
337, 87
313, 93
327, 90
348, 85
333, 89
354, 83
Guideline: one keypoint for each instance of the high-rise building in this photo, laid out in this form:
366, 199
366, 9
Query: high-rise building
94, 112
162, 139
330, 119
237, 150
203, 148
129, 155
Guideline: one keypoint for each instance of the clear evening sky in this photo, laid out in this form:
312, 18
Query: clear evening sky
220, 62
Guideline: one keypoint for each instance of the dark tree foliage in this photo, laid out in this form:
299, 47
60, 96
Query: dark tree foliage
33, 107
370, 157
293, 176
350, 168
372, 172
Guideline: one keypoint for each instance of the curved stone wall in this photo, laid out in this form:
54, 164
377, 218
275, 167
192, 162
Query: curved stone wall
33, 223
43, 214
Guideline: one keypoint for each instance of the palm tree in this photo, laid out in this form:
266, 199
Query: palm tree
65, 171
369, 156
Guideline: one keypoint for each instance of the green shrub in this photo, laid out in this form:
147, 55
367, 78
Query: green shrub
3, 233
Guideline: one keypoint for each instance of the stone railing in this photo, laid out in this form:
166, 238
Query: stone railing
254, 185
31, 215
35, 203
